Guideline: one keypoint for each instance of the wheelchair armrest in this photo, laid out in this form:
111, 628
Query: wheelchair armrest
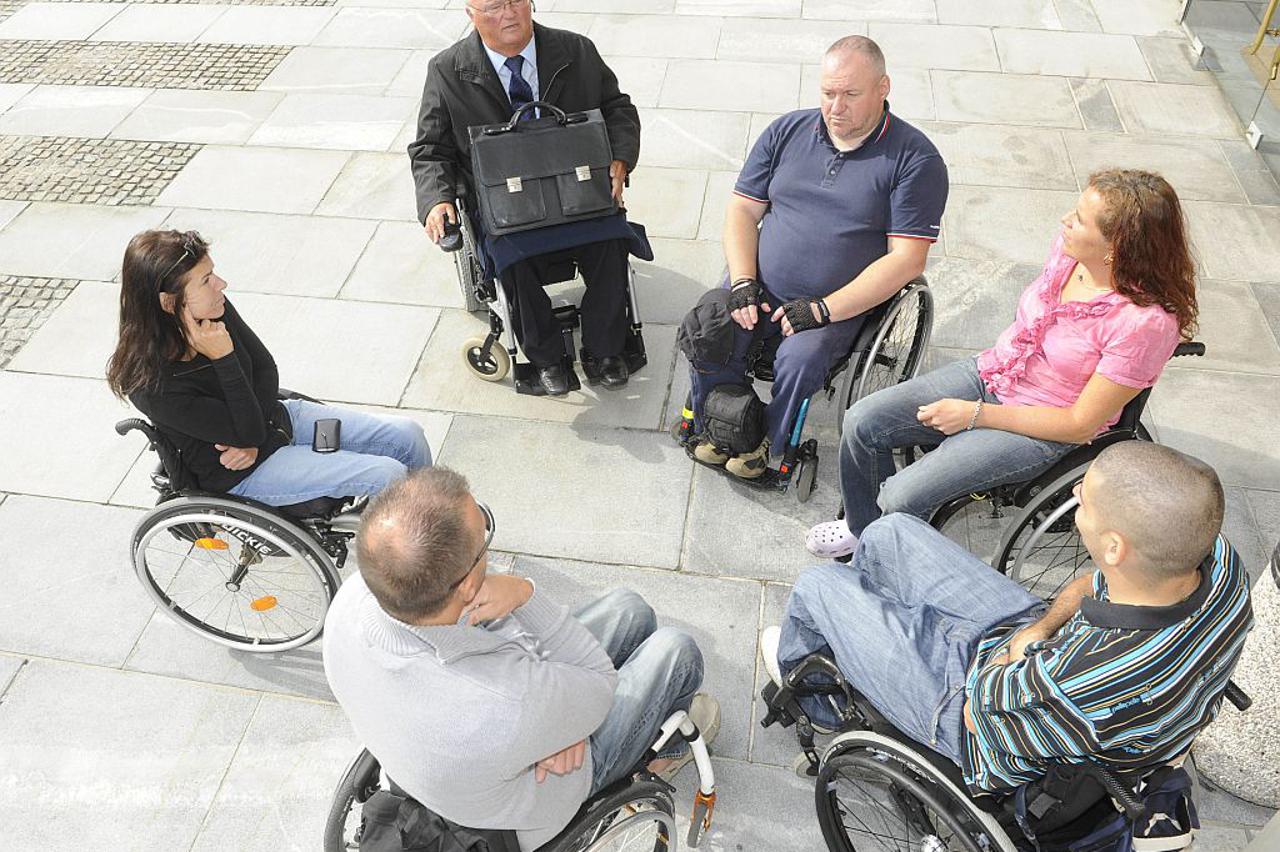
285, 393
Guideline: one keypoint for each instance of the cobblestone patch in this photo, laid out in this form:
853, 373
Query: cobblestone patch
226, 67
8, 7
88, 171
25, 303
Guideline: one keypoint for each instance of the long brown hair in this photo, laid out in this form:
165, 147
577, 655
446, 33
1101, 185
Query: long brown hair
1151, 263
155, 262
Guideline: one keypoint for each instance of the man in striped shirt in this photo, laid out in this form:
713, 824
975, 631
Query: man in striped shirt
1125, 667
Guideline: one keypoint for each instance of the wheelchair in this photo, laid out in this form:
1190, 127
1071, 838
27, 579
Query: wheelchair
486, 357
1040, 548
241, 573
876, 788
634, 813
889, 349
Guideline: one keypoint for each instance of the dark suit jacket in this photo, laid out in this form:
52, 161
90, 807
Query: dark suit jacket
463, 90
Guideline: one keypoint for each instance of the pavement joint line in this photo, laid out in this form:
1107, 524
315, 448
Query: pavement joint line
213, 800
408, 382
4, 689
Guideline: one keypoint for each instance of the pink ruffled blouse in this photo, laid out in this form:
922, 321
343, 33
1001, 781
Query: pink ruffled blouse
1052, 349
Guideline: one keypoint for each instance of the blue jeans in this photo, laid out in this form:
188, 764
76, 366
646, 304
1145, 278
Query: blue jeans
958, 464
659, 670
377, 450
902, 623
799, 369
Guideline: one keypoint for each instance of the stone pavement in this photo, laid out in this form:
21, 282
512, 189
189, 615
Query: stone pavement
278, 130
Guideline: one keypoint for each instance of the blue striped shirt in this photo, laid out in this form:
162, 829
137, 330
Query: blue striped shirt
1129, 686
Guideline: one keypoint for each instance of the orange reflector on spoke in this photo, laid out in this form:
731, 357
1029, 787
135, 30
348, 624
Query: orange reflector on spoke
263, 604
211, 544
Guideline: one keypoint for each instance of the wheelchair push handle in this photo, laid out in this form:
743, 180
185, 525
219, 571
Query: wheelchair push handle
452, 239
1237, 696
124, 427
1116, 789
1190, 347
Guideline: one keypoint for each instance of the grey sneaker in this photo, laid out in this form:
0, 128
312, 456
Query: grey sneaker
750, 465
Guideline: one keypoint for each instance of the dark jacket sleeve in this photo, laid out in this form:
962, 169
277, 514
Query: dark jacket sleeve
266, 375
235, 420
433, 154
620, 115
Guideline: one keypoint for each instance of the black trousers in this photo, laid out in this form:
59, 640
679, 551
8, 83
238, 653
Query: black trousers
603, 310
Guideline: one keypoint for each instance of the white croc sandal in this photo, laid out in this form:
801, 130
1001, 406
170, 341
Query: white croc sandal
830, 539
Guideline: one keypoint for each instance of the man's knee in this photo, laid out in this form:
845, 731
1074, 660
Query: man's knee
629, 607
680, 650
413, 440
380, 471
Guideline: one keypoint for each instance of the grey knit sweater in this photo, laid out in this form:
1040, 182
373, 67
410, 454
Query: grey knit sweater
458, 715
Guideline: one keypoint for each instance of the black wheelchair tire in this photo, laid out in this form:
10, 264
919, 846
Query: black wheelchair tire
600, 815
1048, 517
867, 759
361, 779
806, 476
917, 298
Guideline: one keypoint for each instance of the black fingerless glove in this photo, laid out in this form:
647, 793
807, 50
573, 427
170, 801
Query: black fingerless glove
799, 313
745, 292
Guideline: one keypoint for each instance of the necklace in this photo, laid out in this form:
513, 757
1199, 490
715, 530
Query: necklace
1080, 279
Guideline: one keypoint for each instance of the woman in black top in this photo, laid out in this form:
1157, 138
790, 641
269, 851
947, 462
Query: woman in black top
188, 362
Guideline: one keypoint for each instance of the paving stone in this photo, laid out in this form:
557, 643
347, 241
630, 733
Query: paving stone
174, 23
70, 111
267, 180
88, 171
72, 240
58, 20
667, 201
1171, 61
1181, 110
411, 28
375, 370
1196, 168
694, 139
1258, 181
338, 70
721, 616
292, 756
580, 513
788, 40
1241, 529
653, 36
1268, 296
1097, 108
11, 93
1078, 16
1003, 99
1139, 17
715, 201
340, 122
920, 11
639, 76
412, 74
639, 7
214, 117
975, 300
983, 223
1265, 506
1222, 807
682, 270
759, 86
1032, 14
224, 2
273, 253
173, 66
57, 579
1236, 439
994, 155
372, 186
8, 7
71, 734
1216, 838
268, 25
747, 8
443, 381
760, 808
1235, 242
9, 668
1234, 329
42, 295
939, 46
1221, 16
1071, 54
66, 317
401, 265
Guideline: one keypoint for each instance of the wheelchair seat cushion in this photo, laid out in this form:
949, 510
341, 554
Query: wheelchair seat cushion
319, 507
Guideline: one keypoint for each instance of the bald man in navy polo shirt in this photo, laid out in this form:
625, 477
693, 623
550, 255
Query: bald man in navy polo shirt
833, 213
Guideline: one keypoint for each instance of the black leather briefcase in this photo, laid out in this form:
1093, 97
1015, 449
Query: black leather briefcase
542, 171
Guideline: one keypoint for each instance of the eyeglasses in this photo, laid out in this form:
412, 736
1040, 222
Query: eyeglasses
489, 527
190, 245
495, 9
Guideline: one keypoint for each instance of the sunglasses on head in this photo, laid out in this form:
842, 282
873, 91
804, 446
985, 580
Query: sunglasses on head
489, 527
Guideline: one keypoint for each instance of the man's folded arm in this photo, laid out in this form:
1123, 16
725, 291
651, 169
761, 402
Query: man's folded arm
1017, 709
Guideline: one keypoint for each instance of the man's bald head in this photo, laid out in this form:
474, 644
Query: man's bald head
1166, 505
415, 542
856, 47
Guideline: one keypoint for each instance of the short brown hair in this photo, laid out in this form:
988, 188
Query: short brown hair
1167, 505
414, 542
863, 45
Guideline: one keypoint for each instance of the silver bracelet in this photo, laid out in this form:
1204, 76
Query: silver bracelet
973, 421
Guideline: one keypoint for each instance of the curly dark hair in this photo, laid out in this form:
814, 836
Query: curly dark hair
155, 262
1152, 262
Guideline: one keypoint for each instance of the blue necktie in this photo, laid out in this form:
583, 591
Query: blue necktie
518, 90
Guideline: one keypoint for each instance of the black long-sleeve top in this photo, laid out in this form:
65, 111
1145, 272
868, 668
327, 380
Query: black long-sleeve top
230, 401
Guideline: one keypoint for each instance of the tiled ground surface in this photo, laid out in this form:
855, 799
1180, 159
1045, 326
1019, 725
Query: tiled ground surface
88, 171
144, 737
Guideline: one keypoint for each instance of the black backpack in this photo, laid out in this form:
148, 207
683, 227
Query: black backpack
734, 418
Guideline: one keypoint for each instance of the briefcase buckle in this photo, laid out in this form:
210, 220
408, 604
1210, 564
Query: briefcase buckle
583, 173
514, 184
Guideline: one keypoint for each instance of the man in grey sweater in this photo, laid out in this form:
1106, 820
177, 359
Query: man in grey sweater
484, 700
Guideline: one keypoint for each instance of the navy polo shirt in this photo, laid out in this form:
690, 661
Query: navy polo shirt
831, 212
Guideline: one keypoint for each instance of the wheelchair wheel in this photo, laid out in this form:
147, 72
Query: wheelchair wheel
362, 779
234, 573
897, 350
469, 273
975, 521
638, 817
874, 793
1042, 549
491, 369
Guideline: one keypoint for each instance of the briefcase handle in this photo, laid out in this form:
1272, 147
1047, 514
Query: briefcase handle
562, 118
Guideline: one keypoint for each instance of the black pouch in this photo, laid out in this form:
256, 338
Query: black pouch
393, 823
734, 418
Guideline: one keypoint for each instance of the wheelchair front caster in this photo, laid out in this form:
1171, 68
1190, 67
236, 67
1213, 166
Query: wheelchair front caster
493, 368
806, 472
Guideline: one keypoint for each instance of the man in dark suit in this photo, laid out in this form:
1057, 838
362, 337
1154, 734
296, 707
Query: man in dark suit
506, 62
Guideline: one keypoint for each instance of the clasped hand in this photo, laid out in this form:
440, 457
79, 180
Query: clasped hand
948, 416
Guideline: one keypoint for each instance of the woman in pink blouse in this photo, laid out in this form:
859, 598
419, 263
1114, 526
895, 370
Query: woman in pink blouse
1097, 326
